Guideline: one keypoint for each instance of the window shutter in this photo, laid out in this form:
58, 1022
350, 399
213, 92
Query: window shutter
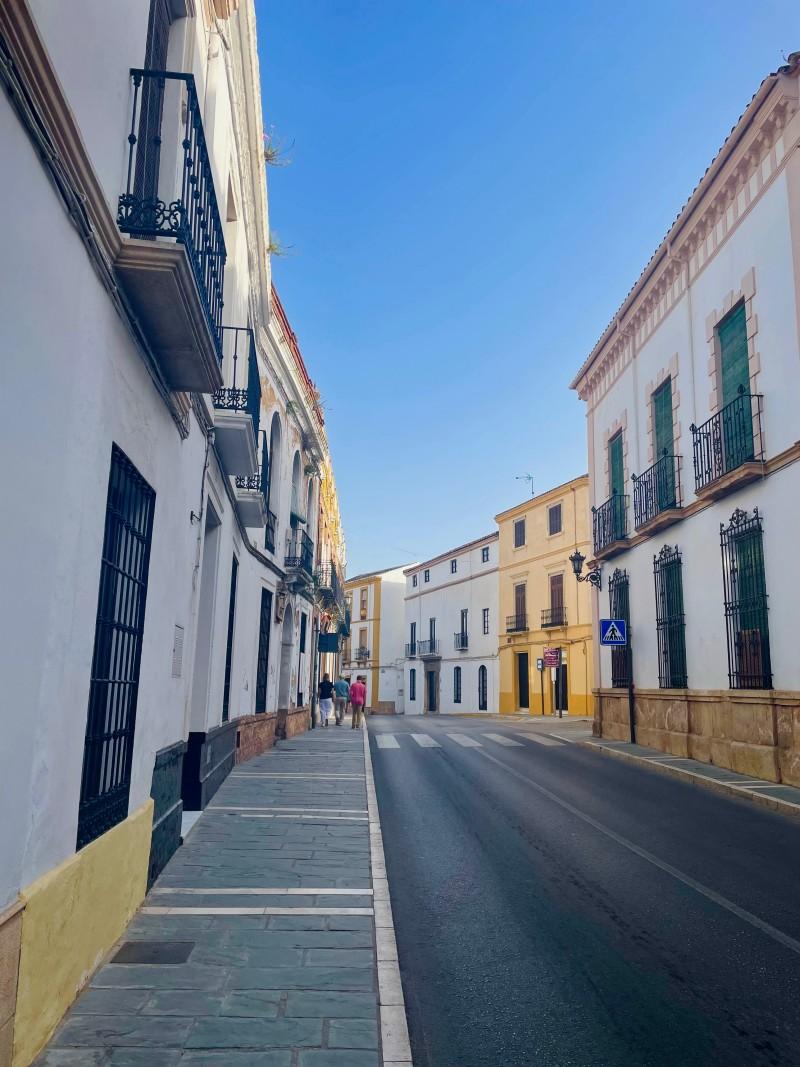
732, 332
662, 420
615, 464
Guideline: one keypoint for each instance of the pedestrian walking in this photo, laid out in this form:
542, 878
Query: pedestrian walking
341, 694
325, 698
358, 698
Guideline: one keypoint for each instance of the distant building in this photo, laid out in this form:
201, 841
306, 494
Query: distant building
692, 396
451, 631
374, 646
542, 606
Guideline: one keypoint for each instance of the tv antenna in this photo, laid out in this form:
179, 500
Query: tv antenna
526, 478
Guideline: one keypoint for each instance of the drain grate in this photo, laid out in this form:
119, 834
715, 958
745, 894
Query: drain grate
154, 952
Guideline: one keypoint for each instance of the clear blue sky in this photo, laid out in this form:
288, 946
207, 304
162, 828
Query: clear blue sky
474, 187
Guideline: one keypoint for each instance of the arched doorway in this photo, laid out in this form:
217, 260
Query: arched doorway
285, 676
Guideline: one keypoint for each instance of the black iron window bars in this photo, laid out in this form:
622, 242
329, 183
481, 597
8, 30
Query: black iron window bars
728, 439
610, 521
657, 490
241, 366
619, 608
744, 581
670, 618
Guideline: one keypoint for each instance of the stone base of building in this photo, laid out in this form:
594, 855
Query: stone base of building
10, 944
254, 735
292, 721
383, 707
208, 761
755, 732
168, 808
70, 918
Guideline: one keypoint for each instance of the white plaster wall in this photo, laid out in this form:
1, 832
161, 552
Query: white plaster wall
78, 385
392, 640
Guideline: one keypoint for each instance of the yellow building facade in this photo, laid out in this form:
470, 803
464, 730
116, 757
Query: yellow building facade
543, 607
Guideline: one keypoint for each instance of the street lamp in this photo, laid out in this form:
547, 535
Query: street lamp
577, 560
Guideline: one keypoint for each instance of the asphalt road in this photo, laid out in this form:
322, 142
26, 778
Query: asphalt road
557, 908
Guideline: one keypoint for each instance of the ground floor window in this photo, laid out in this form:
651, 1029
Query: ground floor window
744, 582
483, 688
412, 684
670, 620
456, 685
619, 608
119, 625
262, 666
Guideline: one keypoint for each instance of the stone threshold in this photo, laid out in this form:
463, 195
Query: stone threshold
774, 795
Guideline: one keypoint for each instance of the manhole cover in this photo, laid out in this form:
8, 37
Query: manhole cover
154, 952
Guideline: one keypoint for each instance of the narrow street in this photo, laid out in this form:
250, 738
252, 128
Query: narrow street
556, 908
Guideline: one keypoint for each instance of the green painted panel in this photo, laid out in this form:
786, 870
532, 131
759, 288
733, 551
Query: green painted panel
615, 464
732, 332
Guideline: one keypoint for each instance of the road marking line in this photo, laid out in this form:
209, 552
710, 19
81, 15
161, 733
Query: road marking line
295, 891
465, 740
255, 911
304, 777
386, 741
426, 741
540, 739
642, 853
501, 740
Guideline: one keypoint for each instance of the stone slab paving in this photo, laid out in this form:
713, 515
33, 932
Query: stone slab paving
778, 797
271, 902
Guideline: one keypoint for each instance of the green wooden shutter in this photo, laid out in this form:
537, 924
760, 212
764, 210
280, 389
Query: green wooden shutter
615, 465
662, 419
735, 367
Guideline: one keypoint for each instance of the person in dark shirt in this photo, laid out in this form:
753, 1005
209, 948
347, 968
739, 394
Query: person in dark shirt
325, 698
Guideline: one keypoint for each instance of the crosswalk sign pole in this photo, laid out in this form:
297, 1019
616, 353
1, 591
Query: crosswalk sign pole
631, 698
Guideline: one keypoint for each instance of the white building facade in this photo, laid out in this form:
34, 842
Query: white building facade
451, 631
161, 611
692, 396
374, 647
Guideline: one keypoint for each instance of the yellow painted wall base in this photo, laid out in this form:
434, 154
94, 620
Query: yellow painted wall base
73, 915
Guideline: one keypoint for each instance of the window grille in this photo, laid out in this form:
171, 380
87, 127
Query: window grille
670, 619
486, 620
226, 691
119, 625
619, 608
483, 694
456, 685
744, 582
262, 663
412, 684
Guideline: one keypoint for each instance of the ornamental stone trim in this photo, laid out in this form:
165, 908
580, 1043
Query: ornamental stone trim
619, 424
664, 374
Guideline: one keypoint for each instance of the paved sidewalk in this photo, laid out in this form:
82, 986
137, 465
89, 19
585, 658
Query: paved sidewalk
257, 945
779, 797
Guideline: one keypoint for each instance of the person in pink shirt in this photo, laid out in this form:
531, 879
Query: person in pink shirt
358, 698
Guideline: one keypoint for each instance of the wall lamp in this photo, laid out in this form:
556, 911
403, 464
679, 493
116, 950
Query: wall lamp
577, 560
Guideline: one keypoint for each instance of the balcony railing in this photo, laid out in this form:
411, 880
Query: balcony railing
657, 490
428, 648
610, 522
240, 368
728, 439
329, 585
461, 641
301, 554
257, 483
556, 616
269, 535
178, 201
297, 511
516, 623
362, 654
411, 650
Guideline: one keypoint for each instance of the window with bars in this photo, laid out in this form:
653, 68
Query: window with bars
554, 519
226, 690
486, 620
427, 576
519, 533
119, 626
619, 608
262, 663
670, 619
744, 582
456, 685
483, 688
412, 684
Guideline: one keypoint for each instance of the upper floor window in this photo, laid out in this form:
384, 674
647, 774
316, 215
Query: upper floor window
616, 466
554, 519
427, 576
363, 594
519, 533
453, 566
485, 554
414, 581
486, 620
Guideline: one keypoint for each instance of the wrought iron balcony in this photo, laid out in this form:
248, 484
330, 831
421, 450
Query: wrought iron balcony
269, 534
411, 650
329, 585
657, 493
516, 623
238, 404
461, 641
174, 285
297, 511
301, 554
428, 649
252, 490
610, 524
727, 448
556, 616
361, 655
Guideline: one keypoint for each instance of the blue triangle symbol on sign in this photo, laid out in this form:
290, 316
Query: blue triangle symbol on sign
613, 636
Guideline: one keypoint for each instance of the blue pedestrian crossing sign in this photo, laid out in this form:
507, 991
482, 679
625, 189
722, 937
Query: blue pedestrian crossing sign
613, 632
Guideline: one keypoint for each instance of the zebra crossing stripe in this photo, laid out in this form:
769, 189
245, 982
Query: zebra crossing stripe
426, 741
465, 740
386, 741
541, 739
501, 740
